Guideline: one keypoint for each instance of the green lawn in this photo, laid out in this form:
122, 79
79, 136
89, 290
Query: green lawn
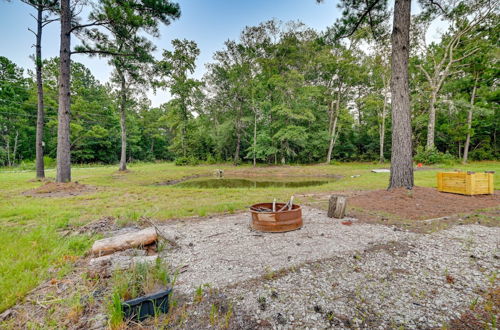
32, 248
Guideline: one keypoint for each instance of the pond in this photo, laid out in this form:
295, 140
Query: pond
249, 183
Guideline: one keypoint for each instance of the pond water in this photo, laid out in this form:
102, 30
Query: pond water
248, 183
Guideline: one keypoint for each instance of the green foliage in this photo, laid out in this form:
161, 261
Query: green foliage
281, 93
141, 279
185, 161
115, 311
433, 156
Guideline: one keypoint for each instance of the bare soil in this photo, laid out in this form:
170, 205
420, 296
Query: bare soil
56, 189
422, 202
186, 178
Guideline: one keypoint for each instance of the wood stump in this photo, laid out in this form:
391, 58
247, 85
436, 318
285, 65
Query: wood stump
336, 206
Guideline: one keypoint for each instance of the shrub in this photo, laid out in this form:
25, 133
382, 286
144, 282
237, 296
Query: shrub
211, 159
30, 164
483, 153
433, 156
184, 161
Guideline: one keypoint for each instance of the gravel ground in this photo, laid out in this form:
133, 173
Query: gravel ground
332, 275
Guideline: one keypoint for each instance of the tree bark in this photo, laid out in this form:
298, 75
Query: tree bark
332, 141
238, 137
382, 129
123, 124
431, 127
401, 153
14, 151
469, 121
255, 141
7, 143
40, 169
336, 206
333, 126
63, 128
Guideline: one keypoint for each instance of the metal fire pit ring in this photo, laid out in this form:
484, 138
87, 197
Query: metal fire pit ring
276, 222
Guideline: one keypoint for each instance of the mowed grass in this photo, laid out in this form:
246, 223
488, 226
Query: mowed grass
33, 249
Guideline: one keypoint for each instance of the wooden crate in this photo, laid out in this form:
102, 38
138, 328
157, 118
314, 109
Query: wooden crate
465, 183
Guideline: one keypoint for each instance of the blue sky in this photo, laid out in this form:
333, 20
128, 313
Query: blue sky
208, 22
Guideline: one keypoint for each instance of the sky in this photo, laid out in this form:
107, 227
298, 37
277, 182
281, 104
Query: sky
208, 22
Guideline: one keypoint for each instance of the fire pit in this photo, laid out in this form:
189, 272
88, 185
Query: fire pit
284, 218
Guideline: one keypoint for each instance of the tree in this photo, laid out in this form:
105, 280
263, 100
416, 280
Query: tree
373, 13
176, 66
401, 151
69, 25
129, 51
42, 20
441, 61
13, 116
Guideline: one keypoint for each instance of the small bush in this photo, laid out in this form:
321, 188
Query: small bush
433, 156
185, 161
30, 165
483, 153
49, 162
211, 159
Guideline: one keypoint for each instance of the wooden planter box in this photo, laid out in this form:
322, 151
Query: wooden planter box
465, 183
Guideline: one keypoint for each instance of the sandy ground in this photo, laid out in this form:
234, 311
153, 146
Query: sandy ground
329, 274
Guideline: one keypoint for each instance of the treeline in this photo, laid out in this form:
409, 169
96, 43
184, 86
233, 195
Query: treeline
95, 124
281, 93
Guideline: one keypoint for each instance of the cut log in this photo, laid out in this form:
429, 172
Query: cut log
336, 206
126, 241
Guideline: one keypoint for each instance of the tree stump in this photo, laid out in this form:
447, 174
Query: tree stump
336, 206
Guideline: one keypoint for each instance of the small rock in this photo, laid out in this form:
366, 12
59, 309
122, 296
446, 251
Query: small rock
280, 319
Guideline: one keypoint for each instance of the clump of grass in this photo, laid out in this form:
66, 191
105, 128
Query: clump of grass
213, 314
220, 316
115, 312
198, 294
142, 279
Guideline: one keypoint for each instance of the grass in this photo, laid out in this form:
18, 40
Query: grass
33, 249
142, 279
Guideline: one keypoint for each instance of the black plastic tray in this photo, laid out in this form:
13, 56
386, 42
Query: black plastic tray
145, 306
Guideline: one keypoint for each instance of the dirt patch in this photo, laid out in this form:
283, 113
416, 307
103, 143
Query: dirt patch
172, 182
102, 225
56, 189
422, 202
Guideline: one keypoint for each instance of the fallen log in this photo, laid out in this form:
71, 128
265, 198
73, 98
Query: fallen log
161, 233
126, 241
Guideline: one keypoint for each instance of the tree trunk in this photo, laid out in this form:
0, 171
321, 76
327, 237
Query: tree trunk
238, 138
469, 121
63, 128
336, 206
333, 127
14, 151
382, 129
401, 153
7, 143
432, 122
255, 141
40, 170
332, 141
123, 124
238, 143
